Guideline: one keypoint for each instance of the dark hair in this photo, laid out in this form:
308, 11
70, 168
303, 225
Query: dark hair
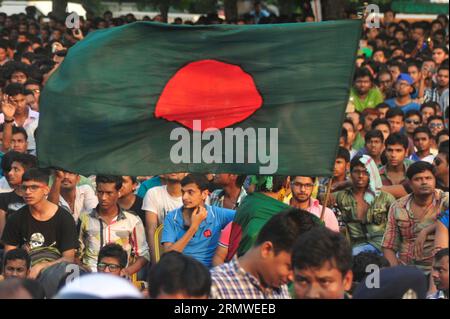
343, 153
395, 111
443, 132
362, 260
411, 113
441, 254
397, 138
110, 179
198, 179
114, 251
278, 182
133, 179
319, 245
176, 272
283, 229
435, 117
240, 180
363, 72
14, 89
443, 148
36, 174
419, 167
27, 161
17, 253
380, 122
434, 105
344, 134
20, 130
374, 134
356, 162
422, 129
348, 121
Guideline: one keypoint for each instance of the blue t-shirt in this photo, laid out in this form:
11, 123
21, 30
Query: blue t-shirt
443, 218
146, 185
405, 108
204, 243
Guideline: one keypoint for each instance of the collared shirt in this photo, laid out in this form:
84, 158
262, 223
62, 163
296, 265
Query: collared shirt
203, 244
231, 281
30, 125
372, 228
403, 228
85, 201
126, 230
384, 173
216, 198
329, 217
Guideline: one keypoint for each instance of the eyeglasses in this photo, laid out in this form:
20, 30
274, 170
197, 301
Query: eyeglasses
408, 121
32, 188
111, 267
436, 125
301, 185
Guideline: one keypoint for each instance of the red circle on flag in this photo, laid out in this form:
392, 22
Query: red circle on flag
216, 93
207, 233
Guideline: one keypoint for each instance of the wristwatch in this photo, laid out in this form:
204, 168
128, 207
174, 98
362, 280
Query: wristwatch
9, 121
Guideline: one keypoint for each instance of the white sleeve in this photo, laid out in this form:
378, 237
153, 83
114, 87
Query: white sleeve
150, 201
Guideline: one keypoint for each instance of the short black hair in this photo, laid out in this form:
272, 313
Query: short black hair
382, 105
176, 272
319, 245
27, 161
196, 178
397, 138
419, 167
114, 251
14, 89
374, 134
363, 72
395, 111
434, 105
412, 113
110, 179
441, 254
20, 130
356, 161
284, 228
435, 117
17, 253
240, 180
36, 174
344, 134
343, 153
422, 129
377, 122
362, 260
348, 121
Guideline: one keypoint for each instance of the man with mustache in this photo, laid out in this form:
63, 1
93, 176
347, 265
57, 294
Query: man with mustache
409, 236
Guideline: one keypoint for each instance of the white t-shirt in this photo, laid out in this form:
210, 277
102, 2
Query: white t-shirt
158, 200
4, 186
85, 201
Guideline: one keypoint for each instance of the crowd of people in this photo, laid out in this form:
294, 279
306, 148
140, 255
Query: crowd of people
229, 236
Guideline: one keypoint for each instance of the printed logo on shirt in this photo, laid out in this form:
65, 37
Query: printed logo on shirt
37, 240
15, 206
207, 233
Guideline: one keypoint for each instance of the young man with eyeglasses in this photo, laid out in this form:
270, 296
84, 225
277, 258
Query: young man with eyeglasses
112, 259
404, 88
40, 226
413, 119
435, 124
302, 188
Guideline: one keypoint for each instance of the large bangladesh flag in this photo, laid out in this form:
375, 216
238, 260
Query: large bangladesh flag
149, 98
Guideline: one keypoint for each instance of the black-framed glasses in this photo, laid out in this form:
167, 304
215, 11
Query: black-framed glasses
301, 185
32, 188
111, 267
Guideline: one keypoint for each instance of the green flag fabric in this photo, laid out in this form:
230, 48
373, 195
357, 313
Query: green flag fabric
150, 98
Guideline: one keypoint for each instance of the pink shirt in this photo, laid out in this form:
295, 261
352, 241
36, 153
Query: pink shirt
329, 218
224, 240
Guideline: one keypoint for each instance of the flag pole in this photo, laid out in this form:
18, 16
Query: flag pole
327, 197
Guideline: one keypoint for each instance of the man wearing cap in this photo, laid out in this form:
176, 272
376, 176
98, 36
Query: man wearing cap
404, 88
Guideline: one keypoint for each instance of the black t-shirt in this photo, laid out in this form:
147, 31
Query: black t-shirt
136, 209
59, 232
11, 202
